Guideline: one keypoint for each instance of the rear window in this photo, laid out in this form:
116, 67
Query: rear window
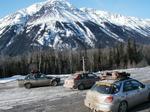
73, 76
91, 76
104, 89
107, 89
79, 76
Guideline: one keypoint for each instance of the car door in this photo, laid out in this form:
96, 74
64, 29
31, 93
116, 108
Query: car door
92, 78
31, 79
130, 93
83, 80
42, 80
141, 91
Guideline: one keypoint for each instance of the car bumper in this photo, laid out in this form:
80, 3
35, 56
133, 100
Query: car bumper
101, 107
69, 86
20, 83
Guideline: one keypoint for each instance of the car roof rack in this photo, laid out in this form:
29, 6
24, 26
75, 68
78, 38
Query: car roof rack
115, 75
82, 72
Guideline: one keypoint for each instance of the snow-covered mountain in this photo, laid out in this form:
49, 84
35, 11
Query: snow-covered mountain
59, 25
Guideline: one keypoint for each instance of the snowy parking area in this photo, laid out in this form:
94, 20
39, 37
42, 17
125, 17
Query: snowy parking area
13, 96
51, 99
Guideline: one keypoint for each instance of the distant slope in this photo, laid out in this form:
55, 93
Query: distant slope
57, 24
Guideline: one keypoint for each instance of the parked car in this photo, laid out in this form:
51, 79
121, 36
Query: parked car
81, 80
116, 95
36, 80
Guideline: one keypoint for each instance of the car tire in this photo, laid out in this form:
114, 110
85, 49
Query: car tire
54, 83
81, 87
149, 97
28, 85
123, 107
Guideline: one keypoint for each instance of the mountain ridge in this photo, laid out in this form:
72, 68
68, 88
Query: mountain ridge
59, 25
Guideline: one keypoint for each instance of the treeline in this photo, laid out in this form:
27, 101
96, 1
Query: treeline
62, 62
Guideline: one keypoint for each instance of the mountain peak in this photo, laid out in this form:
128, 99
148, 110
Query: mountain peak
57, 10
22, 16
37, 6
60, 3
51, 1
57, 24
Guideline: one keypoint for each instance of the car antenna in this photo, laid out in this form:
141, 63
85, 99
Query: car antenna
83, 64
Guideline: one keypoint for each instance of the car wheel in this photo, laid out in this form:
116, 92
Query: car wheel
149, 97
54, 83
123, 107
93, 110
28, 86
81, 87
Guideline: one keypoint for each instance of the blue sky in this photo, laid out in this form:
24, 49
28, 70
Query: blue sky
137, 8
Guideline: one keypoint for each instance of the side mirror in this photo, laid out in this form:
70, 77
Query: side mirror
143, 86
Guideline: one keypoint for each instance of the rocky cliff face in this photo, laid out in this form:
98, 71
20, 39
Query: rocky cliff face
57, 24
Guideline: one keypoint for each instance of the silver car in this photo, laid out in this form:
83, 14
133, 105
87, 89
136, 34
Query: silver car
116, 95
37, 80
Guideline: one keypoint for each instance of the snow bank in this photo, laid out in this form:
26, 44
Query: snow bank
13, 78
142, 74
16, 77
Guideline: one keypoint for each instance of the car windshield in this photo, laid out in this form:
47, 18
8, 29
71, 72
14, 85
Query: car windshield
106, 88
73, 76
29, 76
35, 76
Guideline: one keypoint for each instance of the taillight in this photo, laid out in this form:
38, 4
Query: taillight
109, 99
77, 78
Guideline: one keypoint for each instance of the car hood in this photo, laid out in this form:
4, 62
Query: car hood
148, 85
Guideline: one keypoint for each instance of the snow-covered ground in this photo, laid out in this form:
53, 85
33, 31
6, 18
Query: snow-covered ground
16, 77
12, 97
10, 79
22, 96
